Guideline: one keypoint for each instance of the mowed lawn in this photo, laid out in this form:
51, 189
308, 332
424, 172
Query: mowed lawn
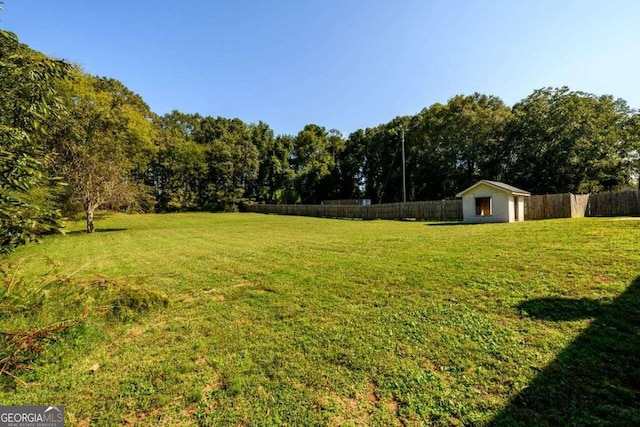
277, 320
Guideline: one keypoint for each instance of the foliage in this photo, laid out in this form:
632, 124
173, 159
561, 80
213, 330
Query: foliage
232, 160
313, 159
554, 141
564, 141
382, 161
273, 183
465, 142
27, 98
205, 162
177, 170
103, 142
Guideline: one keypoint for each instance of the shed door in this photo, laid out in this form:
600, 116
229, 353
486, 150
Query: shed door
517, 208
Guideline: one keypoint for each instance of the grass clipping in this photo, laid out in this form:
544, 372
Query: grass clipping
37, 312
121, 299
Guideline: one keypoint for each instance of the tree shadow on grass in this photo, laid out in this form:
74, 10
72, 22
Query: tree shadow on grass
562, 309
595, 381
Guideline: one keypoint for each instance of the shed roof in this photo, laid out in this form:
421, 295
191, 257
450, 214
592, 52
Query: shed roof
498, 185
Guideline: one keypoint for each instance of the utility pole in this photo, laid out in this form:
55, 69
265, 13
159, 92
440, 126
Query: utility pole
404, 178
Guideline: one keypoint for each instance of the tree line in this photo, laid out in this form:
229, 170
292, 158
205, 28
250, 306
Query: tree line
71, 141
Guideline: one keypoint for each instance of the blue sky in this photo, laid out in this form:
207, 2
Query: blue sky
342, 64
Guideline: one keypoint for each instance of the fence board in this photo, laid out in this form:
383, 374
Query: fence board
614, 204
547, 206
579, 205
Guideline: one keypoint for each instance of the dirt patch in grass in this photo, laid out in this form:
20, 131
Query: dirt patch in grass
190, 411
370, 394
601, 278
213, 384
215, 295
135, 331
138, 418
356, 410
392, 406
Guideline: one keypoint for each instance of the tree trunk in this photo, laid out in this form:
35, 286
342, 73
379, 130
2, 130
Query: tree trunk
90, 221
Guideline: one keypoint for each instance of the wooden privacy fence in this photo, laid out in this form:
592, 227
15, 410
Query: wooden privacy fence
438, 210
614, 204
546, 206
569, 205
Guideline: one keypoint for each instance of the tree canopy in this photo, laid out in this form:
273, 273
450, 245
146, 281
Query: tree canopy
59, 123
103, 142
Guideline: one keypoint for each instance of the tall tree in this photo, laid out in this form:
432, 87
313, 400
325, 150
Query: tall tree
274, 179
328, 187
178, 171
312, 159
349, 165
104, 143
232, 161
461, 142
382, 168
564, 141
429, 177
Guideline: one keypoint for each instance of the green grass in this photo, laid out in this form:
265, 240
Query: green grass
277, 320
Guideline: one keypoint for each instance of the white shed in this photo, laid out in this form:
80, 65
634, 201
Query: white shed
491, 201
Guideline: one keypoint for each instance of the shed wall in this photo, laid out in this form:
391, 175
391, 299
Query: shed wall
502, 205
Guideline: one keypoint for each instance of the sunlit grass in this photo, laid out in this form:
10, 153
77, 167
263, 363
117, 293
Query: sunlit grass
280, 320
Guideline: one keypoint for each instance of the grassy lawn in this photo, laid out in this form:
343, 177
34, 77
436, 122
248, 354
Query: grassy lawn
277, 320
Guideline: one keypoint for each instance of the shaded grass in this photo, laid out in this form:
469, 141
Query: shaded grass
593, 381
304, 321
